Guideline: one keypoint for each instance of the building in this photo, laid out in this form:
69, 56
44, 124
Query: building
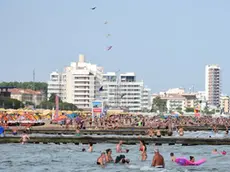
212, 85
78, 84
173, 91
146, 99
124, 91
27, 95
201, 98
224, 104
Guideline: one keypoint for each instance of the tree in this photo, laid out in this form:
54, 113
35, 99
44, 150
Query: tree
159, 105
62, 105
9, 103
52, 98
188, 109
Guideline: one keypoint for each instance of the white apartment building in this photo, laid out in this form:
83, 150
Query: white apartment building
125, 91
212, 85
146, 99
224, 104
77, 84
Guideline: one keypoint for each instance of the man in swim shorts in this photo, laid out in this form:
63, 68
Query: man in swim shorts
24, 139
158, 160
119, 149
121, 159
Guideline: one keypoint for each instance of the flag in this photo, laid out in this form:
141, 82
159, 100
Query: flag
101, 88
122, 95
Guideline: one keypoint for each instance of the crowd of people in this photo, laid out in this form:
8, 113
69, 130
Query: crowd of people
106, 157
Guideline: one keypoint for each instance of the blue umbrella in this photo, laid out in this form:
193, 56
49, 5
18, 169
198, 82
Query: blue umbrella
72, 116
1, 130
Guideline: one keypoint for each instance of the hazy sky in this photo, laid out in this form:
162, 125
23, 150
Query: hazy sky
166, 43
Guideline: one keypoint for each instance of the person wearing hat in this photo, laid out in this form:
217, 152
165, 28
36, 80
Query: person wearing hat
158, 160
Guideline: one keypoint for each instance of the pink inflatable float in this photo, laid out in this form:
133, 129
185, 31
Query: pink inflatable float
185, 162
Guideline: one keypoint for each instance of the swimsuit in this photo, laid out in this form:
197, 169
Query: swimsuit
159, 166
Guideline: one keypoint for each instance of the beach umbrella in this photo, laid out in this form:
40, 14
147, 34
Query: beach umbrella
1, 130
72, 116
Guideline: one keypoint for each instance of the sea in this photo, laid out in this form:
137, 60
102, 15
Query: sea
70, 158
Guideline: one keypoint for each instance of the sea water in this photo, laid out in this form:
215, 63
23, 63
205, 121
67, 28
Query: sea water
70, 158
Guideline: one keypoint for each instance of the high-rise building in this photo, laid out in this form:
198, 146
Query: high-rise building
212, 85
124, 91
77, 84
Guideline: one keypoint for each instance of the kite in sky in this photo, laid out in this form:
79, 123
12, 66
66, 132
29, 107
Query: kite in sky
106, 22
93, 8
108, 35
109, 48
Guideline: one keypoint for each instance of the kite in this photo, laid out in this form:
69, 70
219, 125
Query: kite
106, 22
109, 48
93, 8
108, 35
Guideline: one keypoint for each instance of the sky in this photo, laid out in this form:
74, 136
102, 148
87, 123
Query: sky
166, 43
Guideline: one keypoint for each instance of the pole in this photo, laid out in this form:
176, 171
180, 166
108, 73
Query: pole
57, 106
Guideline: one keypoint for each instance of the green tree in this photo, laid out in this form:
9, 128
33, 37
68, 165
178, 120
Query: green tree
52, 98
159, 105
188, 109
9, 103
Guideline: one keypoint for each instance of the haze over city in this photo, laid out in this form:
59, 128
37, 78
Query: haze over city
165, 44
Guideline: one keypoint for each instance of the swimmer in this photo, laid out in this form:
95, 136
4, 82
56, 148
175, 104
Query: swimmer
119, 149
101, 160
223, 152
14, 132
214, 151
181, 131
90, 147
143, 150
122, 159
108, 156
173, 158
158, 132
25, 138
158, 160
192, 159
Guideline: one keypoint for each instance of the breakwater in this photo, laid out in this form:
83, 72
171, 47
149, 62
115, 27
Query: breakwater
185, 141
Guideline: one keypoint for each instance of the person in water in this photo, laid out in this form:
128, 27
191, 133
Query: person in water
173, 158
214, 151
90, 147
223, 152
192, 159
101, 160
25, 138
158, 160
108, 156
121, 159
119, 149
158, 132
181, 131
143, 150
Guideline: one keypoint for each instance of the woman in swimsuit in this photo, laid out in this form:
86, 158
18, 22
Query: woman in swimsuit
108, 156
101, 160
143, 150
